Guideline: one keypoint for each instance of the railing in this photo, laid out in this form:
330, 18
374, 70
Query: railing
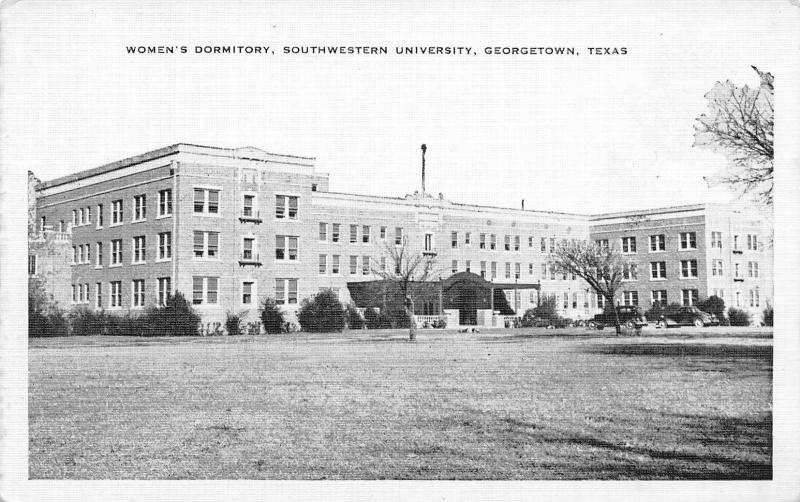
251, 260
430, 319
252, 218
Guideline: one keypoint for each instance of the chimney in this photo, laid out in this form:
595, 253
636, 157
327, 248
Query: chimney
423, 168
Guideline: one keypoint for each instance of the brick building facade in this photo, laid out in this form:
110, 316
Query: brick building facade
228, 227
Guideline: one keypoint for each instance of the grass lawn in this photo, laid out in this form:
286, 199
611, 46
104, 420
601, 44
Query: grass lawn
510, 404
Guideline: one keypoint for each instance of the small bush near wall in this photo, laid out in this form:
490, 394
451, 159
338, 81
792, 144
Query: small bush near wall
354, 319
738, 317
322, 313
768, 315
175, 318
272, 317
713, 305
376, 319
234, 324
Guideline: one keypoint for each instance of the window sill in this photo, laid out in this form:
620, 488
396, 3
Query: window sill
287, 262
164, 216
689, 278
687, 249
138, 221
139, 263
656, 279
658, 251
164, 260
115, 265
116, 224
207, 215
98, 267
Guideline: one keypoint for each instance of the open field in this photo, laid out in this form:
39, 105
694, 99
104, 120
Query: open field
505, 404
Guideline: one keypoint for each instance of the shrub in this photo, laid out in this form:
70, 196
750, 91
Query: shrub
175, 318
44, 316
713, 305
376, 319
768, 315
354, 319
234, 323
738, 317
322, 313
272, 316
547, 308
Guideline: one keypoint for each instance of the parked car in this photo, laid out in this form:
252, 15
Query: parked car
629, 316
688, 316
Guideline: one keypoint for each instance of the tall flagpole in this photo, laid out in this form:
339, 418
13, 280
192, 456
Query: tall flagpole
423, 167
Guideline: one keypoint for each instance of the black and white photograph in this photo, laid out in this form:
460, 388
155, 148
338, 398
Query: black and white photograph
439, 251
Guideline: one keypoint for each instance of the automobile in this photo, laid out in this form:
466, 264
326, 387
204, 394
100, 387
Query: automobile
688, 316
629, 316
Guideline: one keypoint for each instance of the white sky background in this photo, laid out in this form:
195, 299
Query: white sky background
575, 134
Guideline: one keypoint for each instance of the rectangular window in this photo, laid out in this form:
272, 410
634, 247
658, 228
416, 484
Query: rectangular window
566, 301
247, 292
165, 245
467, 265
248, 245
688, 297
507, 243
688, 269
716, 240
574, 300
82, 219
658, 270
165, 202
517, 270
601, 301
74, 220
206, 201
544, 271
482, 241
516, 243
543, 245
353, 265
323, 232
736, 270
629, 245
453, 239
428, 244
116, 294
383, 263
752, 242
530, 241
492, 242
139, 207
198, 284
602, 243
365, 265
98, 254
286, 207
206, 245
467, 238
494, 270
383, 233
483, 270
323, 264
286, 247
659, 297
139, 249
398, 236
365, 234
138, 293
99, 216
552, 273
98, 295
716, 268
630, 298
508, 270
658, 243
335, 264
630, 272
688, 240
116, 252
116, 212
286, 291
335, 232
248, 201
552, 244
530, 268
31, 264
752, 269
211, 289
164, 289
454, 266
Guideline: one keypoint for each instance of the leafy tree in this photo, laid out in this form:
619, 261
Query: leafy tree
322, 313
272, 316
406, 268
738, 317
45, 318
600, 266
739, 124
713, 305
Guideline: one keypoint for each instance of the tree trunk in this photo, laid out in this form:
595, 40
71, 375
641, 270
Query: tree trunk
412, 325
616, 318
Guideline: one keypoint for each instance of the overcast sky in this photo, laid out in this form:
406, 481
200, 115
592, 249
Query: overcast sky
578, 134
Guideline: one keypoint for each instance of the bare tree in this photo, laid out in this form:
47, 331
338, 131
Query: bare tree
602, 267
407, 270
739, 124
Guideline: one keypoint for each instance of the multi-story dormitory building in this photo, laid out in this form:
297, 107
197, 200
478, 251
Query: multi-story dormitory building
228, 227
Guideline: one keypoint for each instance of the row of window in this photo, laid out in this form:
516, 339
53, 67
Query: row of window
752, 269
331, 232
335, 260
81, 293
83, 216
688, 297
752, 241
206, 201
657, 243
658, 270
82, 253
